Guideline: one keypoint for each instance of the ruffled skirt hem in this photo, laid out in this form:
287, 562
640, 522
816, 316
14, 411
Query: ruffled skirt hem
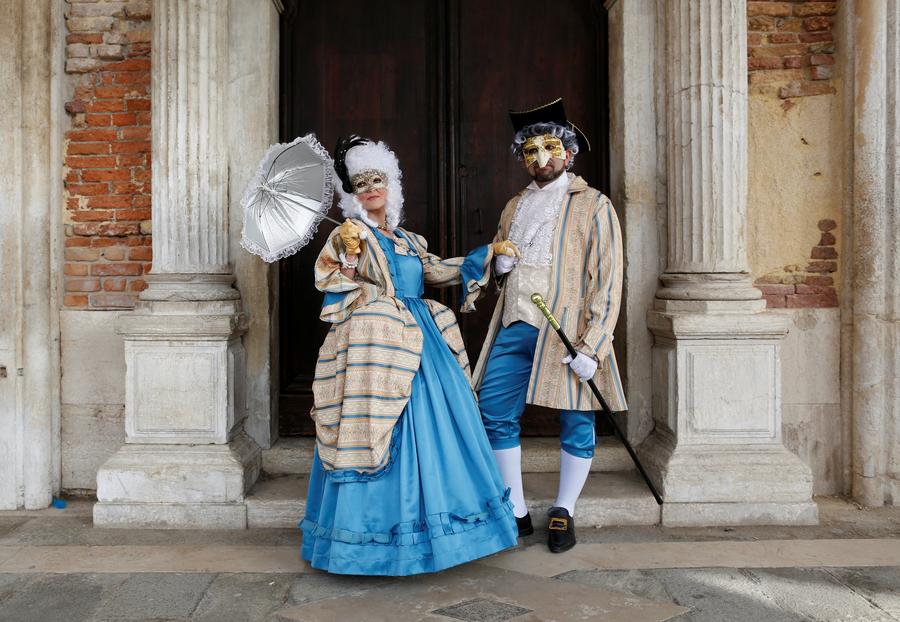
436, 547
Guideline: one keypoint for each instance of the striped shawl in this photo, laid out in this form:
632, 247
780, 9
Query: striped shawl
371, 353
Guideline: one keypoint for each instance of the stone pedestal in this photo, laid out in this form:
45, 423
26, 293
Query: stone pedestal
187, 461
178, 486
716, 451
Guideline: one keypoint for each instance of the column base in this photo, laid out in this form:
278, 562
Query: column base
718, 485
177, 486
716, 292
717, 514
716, 453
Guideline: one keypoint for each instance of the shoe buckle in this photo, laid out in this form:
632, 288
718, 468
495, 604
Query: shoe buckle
559, 524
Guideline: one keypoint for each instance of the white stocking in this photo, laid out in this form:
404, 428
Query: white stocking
510, 463
573, 473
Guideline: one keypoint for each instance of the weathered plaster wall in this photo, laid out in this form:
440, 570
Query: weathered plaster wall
796, 164
797, 159
93, 395
812, 423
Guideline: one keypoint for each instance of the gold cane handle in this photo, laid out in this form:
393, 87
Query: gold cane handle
538, 300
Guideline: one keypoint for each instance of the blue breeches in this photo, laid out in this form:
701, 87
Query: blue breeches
502, 395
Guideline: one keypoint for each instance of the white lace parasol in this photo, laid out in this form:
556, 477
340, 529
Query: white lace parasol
287, 198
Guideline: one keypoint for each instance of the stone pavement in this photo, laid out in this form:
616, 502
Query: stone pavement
55, 566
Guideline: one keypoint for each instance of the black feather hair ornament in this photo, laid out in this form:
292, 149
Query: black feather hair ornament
345, 144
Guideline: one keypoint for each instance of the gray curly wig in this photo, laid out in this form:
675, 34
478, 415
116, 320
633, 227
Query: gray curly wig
567, 135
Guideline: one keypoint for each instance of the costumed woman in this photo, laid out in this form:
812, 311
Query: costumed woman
403, 480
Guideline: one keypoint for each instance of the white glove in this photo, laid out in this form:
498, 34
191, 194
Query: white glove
504, 264
583, 365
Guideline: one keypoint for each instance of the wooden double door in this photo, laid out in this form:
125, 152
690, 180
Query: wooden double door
434, 79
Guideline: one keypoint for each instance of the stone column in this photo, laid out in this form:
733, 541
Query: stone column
187, 461
717, 450
635, 189
706, 146
875, 238
30, 210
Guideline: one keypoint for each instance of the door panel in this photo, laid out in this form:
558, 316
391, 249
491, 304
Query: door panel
350, 67
434, 80
537, 52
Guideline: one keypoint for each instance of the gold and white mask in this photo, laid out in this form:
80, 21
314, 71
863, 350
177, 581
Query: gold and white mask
368, 180
541, 148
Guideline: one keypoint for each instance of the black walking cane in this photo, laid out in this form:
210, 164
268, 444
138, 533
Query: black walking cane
538, 300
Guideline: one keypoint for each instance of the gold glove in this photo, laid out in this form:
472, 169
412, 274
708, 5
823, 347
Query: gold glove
349, 232
506, 248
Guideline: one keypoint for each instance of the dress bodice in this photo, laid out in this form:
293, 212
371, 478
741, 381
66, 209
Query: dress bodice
404, 263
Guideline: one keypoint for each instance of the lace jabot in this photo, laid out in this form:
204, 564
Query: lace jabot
535, 221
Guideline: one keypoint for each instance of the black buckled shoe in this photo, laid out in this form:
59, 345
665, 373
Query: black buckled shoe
525, 526
561, 530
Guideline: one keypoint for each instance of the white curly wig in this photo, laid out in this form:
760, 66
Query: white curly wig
376, 156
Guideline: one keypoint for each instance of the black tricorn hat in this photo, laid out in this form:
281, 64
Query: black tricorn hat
554, 112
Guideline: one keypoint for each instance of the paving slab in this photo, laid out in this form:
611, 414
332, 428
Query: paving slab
55, 529
10, 523
80, 531
712, 595
243, 597
278, 502
481, 593
74, 507
880, 586
9, 552
537, 560
69, 598
609, 498
534, 559
150, 595
294, 456
316, 585
12, 583
167, 559
817, 595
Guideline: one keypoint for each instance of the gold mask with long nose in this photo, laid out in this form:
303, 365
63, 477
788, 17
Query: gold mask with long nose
541, 148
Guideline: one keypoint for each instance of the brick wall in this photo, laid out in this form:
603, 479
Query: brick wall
805, 286
791, 54
791, 46
107, 225
107, 153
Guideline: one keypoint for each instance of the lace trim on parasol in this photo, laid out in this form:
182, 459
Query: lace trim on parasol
260, 177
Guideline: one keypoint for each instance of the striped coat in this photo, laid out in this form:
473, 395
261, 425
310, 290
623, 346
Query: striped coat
371, 353
584, 295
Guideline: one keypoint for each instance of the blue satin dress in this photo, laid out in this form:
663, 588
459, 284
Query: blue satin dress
440, 501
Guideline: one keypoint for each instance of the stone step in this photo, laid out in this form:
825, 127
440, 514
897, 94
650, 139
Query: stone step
293, 455
609, 498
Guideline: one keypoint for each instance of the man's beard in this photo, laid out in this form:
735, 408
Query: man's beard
549, 175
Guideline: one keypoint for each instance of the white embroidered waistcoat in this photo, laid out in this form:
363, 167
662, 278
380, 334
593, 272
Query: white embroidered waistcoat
532, 231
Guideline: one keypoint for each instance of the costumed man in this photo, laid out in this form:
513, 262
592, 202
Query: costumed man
571, 253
